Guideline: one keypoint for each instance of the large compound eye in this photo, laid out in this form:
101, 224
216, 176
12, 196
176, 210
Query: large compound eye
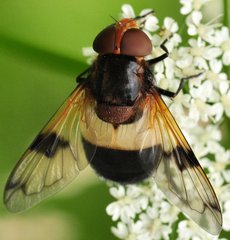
104, 41
135, 43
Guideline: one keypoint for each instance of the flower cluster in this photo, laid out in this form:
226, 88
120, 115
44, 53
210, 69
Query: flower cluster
142, 211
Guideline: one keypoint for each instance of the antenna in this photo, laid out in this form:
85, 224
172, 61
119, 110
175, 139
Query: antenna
114, 18
142, 16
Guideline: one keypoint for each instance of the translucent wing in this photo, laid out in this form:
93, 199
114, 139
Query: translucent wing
52, 161
179, 174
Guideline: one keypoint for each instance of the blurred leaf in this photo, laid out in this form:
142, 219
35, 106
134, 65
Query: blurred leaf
92, 218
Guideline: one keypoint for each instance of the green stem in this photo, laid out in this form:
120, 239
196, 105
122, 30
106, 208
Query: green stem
226, 23
225, 19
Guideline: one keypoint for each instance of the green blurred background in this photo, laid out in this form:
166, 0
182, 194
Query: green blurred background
40, 55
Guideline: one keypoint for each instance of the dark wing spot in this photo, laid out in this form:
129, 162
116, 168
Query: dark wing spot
184, 158
11, 185
48, 144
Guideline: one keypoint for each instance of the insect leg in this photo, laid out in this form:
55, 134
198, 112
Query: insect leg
82, 77
163, 56
170, 94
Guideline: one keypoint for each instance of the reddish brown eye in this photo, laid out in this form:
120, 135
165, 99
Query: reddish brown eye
135, 43
104, 41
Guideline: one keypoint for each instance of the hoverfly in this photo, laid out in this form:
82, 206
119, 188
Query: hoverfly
116, 121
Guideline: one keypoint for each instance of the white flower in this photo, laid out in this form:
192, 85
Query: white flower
129, 203
216, 112
179, 106
89, 53
226, 173
188, 230
169, 31
221, 39
168, 213
187, 6
218, 78
226, 216
199, 110
193, 22
225, 100
127, 11
190, 5
151, 24
201, 52
171, 25
205, 92
129, 231
153, 227
196, 27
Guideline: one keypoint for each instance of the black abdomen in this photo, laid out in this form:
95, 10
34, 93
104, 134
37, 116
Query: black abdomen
123, 166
